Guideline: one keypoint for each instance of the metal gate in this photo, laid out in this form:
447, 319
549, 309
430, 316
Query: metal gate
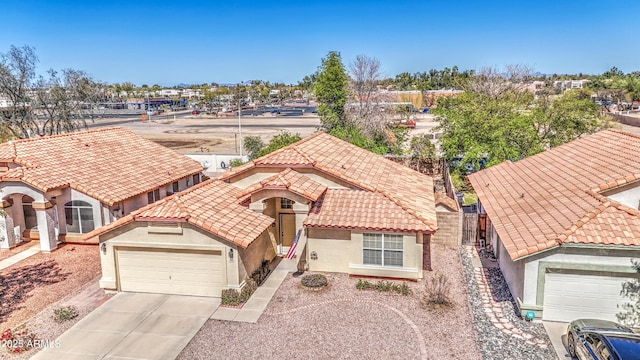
469, 229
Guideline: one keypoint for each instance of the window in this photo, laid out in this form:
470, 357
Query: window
286, 203
175, 187
382, 249
30, 220
79, 215
153, 196
196, 179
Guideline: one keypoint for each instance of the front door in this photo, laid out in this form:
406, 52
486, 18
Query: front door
287, 231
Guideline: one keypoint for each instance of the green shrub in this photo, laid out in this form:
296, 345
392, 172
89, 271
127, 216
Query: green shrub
363, 285
314, 281
236, 162
249, 288
385, 286
65, 313
230, 297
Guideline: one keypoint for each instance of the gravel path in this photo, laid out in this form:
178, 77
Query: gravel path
502, 333
341, 322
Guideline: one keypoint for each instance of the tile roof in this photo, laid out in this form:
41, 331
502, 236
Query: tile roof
110, 165
548, 199
443, 199
407, 188
211, 206
289, 180
358, 209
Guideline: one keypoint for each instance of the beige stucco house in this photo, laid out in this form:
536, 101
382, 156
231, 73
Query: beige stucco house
346, 209
56, 188
565, 225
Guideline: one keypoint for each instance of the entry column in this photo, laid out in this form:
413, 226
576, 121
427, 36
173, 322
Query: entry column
45, 215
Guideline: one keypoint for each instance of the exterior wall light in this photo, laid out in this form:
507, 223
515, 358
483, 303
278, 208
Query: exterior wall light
103, 248
231, 254
314, 255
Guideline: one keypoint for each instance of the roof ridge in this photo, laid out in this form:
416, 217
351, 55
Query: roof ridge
295, 148
622, 132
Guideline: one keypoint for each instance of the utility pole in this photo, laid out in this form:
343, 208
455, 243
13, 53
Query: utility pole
240, 120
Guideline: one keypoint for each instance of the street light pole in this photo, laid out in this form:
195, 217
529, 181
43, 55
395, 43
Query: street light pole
240, 120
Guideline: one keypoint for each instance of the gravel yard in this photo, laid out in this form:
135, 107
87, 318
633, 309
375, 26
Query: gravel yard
33, 284
502, 333
342, 322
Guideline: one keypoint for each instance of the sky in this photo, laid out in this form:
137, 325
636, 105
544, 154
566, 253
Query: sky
171, 42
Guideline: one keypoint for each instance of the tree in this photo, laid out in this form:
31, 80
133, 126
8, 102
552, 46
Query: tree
279, 141
366, 110
253, 145
631, 290
331, 91
423, 154
17, 73
492, 127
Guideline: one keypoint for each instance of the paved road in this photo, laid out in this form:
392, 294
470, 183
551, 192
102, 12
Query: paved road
134, 326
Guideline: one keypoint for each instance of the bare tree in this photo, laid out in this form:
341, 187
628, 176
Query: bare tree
61, 102
64, 102
367, 106
17, 72
494, 82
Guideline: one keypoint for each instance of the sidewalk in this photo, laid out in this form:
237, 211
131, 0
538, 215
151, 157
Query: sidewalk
20, 256
257, 303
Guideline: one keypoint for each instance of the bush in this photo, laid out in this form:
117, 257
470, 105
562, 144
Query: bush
236, 162
314, 281
437, 290
17, 340
385, 286
230, 297
65, 313
249, 288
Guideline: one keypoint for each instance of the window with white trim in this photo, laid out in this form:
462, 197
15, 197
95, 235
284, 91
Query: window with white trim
79, 215
382, 249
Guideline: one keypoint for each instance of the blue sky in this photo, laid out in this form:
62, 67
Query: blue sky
168, 42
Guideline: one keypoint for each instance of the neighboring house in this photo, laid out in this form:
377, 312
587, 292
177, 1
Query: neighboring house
565, 225
57, 188
351, 211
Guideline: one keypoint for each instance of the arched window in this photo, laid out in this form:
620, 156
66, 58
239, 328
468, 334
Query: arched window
30, 220
79, 216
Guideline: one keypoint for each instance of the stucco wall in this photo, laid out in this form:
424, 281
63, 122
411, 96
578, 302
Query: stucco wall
341, 251
629, 197
449, 228
513, 271
251, 258
178, 236
596, 259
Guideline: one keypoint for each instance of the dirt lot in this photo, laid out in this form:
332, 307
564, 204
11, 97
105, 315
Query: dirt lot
31, 285
342, 322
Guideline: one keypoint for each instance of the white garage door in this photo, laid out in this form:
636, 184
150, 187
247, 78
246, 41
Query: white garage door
198, 273
573, 296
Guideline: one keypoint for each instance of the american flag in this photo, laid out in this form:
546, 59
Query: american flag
292, 250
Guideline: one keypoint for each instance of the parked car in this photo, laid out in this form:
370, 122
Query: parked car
195, 112
411, 124
602, 340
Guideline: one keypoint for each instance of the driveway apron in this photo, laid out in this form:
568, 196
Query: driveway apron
134, 326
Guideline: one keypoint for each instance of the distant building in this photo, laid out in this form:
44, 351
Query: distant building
563, 85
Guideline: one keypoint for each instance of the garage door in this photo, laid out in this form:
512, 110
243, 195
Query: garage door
572, 296
178, 272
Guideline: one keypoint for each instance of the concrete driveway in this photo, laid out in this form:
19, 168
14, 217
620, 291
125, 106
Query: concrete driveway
134, 326
558, 334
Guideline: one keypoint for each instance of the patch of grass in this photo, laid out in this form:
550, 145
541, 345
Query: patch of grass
384, 286
469, 198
